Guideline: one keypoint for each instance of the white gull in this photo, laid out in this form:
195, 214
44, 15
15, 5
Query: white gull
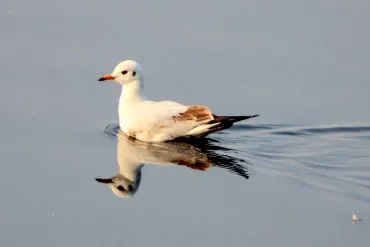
151, 121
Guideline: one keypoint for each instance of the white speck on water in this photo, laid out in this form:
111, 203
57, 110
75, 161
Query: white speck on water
355, 218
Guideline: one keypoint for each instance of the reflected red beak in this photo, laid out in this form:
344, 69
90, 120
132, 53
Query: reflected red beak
106, 77
104, 180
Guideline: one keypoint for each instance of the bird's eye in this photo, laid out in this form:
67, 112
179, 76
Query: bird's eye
121, 188
134, 73
130, 187
124, 72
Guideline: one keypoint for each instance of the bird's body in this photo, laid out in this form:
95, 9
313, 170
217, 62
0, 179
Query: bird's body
151, 121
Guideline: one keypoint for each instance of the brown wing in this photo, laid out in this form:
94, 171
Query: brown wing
196, 164
197, 113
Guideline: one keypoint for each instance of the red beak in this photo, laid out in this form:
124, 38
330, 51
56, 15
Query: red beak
106, 77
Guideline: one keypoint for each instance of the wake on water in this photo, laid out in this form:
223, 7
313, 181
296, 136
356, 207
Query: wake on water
333, 158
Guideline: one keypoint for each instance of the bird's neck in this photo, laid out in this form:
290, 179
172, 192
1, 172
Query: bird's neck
130, 96
131, 93
130, 170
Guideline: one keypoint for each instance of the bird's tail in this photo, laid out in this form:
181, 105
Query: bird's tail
230, 119
217, 124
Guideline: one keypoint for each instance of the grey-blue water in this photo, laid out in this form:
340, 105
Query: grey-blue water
328, 158
291, 177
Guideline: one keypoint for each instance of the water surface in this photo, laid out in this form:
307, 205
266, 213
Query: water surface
291, 177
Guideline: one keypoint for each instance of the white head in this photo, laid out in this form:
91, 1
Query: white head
126, 72
121, 186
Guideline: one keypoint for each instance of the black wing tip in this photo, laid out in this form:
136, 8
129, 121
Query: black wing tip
232, 118
241, 118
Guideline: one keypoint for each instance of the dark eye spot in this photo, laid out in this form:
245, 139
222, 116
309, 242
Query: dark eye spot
124, 72
130, 187
121, 188
134, 73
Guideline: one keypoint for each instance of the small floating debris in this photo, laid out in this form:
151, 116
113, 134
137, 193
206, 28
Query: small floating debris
355, 218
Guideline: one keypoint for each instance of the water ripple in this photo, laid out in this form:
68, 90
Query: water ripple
331, 158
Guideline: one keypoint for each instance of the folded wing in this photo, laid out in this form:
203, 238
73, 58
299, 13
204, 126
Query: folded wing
169, 120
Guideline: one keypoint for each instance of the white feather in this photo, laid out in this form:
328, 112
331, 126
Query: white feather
154, 121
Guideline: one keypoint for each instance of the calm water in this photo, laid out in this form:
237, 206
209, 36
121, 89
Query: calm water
330, 158
291, 177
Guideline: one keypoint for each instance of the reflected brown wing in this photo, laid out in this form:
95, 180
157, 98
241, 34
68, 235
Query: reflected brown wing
196, 164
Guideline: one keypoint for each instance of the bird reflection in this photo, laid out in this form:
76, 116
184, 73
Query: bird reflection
132, 154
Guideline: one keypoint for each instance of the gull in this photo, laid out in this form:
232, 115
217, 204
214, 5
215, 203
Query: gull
133, 154
151, 121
